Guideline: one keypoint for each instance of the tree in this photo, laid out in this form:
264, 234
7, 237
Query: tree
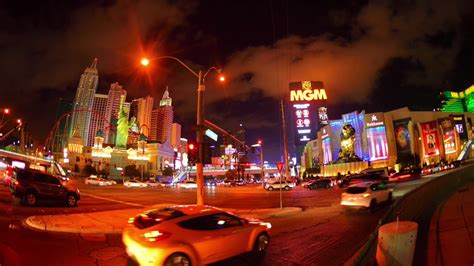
131, 170
76, 168
168, 171
231, 174
103, 173
89, 170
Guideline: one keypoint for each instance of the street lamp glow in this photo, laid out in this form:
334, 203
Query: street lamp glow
144, 61
221, 78
6, 110
18, 121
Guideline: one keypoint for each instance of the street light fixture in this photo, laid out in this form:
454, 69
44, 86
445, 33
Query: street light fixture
200, 117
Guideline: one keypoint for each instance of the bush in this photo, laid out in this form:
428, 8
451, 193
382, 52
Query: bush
131, 170
231, 174
168, 171
89, 170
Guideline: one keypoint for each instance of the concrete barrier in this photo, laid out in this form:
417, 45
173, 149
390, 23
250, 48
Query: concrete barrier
396, 243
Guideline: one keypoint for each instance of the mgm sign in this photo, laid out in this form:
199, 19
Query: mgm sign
303, 95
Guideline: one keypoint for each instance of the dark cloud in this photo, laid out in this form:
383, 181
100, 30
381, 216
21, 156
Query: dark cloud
425, 31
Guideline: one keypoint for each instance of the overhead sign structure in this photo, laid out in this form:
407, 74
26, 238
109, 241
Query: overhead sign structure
211, 134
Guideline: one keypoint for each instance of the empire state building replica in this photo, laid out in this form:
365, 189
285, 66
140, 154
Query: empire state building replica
84, 100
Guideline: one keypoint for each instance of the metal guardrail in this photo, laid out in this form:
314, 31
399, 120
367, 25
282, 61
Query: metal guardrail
417, 205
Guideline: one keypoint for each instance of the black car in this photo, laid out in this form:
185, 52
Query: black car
322, 183
31, 186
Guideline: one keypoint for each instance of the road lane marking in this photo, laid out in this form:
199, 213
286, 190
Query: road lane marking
113, 200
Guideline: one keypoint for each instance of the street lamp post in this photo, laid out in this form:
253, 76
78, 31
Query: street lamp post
262, 173
200, 117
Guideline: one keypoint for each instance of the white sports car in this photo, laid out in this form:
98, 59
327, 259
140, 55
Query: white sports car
134, 183
366, 195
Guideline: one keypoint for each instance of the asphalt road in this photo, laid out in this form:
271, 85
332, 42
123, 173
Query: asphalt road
323, 234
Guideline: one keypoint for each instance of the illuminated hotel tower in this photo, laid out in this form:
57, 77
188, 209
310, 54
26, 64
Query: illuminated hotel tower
84, 100
113, 106
97, 117
162, 120
141, 109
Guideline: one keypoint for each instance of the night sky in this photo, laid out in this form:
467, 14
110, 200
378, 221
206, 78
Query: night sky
373, 56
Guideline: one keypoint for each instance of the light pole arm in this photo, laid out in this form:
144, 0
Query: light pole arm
209, 70
182, 63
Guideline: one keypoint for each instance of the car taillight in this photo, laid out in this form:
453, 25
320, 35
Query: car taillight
156, 235
16, 183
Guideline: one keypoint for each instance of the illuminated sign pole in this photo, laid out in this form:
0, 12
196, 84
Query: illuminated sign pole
302, 96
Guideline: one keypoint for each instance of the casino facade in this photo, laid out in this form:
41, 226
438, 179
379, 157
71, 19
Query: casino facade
392, 139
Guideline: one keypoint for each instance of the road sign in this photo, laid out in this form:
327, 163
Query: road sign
280, 166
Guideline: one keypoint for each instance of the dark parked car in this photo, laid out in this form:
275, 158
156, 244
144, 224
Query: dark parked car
322, 183
31, 186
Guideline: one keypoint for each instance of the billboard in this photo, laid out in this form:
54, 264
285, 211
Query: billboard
402, 139
302, 96
430, 138
374, 120
461, 127
376, 136
304, 120
323, 116
307, 91
449, 136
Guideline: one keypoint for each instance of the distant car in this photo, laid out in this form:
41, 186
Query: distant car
63, 178
366, 195
134, 183
211, 183
230, 183
322, 183
431, 169
188, 184
404, 176
276, 185
152, 183
94, 180
192, 235
306, 183
31, 186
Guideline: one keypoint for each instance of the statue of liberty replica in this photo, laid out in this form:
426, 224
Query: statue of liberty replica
123, 126
119, 156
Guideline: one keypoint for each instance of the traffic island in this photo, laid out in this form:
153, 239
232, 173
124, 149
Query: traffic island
113, 222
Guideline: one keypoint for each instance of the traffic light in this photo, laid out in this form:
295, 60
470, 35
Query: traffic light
193, 153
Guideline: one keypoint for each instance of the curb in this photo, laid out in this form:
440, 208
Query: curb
37, 223
32, 224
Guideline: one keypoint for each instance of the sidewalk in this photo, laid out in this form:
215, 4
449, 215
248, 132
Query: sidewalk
113, 222
451, 237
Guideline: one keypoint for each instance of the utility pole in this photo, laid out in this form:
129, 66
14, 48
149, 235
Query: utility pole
262, 173
285, 148
199, 140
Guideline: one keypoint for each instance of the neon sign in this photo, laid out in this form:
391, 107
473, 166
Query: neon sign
307, 91
308, 95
